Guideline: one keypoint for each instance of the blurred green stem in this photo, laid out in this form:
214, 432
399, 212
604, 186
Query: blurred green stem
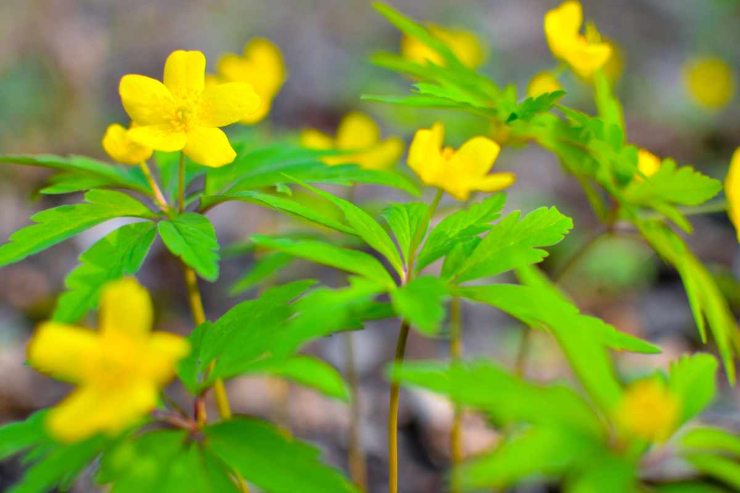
456, 350
181, 183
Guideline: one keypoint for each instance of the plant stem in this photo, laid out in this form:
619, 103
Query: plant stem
403, 336
456, 350
181, 184
159, 198
357, 466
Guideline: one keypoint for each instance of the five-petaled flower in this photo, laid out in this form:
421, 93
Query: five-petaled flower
121, 148
359, 136
182, 113
464, 44
457, 172
648, 410
119, 370
261, 66
584, 53
732, 191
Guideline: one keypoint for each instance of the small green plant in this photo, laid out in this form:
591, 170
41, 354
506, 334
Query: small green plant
420, 261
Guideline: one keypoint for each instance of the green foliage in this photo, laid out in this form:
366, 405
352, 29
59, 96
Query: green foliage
60, 223
692, 378
119, 253
422, 303
265, 267
306, 370
191, 237
409, 223
263, 455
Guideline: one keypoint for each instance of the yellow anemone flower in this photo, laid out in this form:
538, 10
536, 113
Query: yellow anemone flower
542, 83
118, 370
360, 136
709, 82
647, 162
457, 172
585, 54
182, 113
466, 46
732, 191
260, 66
120, 147
648, 410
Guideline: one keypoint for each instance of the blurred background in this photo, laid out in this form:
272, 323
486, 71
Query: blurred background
60, 62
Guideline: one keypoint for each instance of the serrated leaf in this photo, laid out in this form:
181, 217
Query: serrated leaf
512, 243
118, 254
191, 237
422, 303
264, 456
352, 261
409, 223
692, 379
55, 225
673, 185
458, 226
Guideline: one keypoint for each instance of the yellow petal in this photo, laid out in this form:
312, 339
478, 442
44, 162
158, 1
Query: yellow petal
732, 191
62, 351
542, 83
709, 81
425, 152
91, 410
263, 109
381, 156
495, 182
125, 309
164, 137
224, 104
586, 58
163, 352
185, 73
414, 50
268, 67
466, 46
209, 147
648, 410
147, 101
357, 131
561, 27
121, 148
475, 158
315, 139
647, 162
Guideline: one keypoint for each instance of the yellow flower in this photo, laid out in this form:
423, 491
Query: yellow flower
262, 67
118, 371
457, 172
732, 191
466, 46
585, 54
542, 83
647, 162
648, 410
709, 82
360, 136
121, 148
182, 113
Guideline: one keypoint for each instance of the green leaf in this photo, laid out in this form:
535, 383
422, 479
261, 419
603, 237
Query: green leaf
165, 461
85, 169
191, 237
722, 468
352, 261
118, 254
672, 185
512, 243
530, 107
692, 379
306, 370
17, 436
409, 223
707, 439
264, 267
422, 303
609, 107
459, 226
55, 225
365, 227
264, 456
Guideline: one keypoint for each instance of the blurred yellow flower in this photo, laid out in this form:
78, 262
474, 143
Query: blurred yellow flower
466, 46
709, 82
261, 66
542, 83
359, 135
647, 162
584, 53
732, 191
182, 113
118, 371
457, 172
648, 410
121, 148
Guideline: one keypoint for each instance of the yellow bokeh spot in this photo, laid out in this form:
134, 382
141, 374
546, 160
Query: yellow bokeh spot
542, 83
466, 46
732, 191
648, 411
709, 81
119, 370
458, 172
647, 163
